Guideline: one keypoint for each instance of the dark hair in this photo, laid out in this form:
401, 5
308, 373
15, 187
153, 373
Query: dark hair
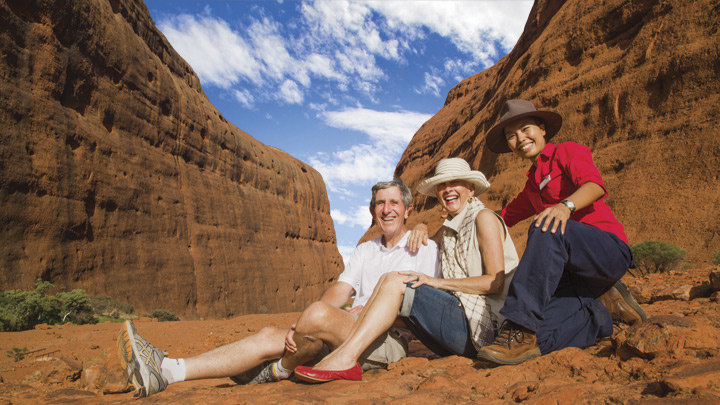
395, 182
537, 120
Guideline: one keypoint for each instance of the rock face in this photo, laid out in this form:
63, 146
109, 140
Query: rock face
118, 176
636, 81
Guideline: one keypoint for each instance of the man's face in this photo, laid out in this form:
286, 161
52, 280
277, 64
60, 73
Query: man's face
389, 211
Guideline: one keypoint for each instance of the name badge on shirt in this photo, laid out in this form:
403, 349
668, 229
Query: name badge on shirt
545, 181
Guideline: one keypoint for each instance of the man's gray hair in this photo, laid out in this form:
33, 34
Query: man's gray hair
395, 182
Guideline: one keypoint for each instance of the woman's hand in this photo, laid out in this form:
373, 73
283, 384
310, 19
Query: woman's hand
355, 310
419, 279
418, 236
558, 214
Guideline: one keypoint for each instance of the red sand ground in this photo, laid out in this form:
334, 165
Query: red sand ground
672, 356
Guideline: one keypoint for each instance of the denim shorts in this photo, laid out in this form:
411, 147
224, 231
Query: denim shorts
438, 320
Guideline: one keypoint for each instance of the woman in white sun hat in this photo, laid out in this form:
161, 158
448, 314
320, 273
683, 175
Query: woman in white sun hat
456, 314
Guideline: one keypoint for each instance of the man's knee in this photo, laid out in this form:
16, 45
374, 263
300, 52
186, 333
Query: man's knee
315, 317
270, 342
271, 332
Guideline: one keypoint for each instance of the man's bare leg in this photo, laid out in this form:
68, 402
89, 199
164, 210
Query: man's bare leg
237, 357
319, 323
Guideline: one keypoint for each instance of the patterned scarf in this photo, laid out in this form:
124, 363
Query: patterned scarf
455, 246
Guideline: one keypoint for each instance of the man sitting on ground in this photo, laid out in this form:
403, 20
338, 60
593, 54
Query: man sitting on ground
254, 359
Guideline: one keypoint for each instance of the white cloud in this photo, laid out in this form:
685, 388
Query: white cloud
360, 216
217, 53
341, 41
346, 252
350, 24
290, 93
458, 69
244, 97
324, 67
365, 163
432, 84
360, 164
387, 128
317, 107
270, 47
473, 26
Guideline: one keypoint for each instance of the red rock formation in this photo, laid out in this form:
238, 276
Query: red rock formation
118, 176
636, 81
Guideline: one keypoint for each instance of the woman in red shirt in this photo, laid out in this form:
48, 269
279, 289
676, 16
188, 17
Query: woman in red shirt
566, 289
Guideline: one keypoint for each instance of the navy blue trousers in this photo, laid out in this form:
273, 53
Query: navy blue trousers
555, 288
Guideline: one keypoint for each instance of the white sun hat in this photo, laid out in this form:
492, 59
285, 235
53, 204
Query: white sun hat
453, 169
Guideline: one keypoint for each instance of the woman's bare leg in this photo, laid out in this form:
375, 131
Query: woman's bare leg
377, 317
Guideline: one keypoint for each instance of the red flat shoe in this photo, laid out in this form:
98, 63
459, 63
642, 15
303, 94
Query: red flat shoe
311, 375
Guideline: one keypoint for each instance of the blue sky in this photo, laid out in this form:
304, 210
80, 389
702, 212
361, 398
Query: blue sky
341, 85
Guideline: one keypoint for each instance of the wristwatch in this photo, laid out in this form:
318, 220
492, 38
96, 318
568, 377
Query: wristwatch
569, 204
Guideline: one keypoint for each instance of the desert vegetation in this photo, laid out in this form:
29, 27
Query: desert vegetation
23, 310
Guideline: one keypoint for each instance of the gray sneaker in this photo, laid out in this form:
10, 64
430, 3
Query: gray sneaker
142, 362
260, 374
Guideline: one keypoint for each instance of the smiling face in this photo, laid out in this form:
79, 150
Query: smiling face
390, 213
526, 137
454, 194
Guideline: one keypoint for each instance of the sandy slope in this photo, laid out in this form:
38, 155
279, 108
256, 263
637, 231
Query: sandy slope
673, 355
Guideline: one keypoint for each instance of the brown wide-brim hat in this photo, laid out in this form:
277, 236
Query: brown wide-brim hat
514, 109
453, 169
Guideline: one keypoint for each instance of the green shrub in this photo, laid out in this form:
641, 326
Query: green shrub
716, 258
102, 318
163, 315
657, 257
22, 310
76, 307
104, 306
17, 354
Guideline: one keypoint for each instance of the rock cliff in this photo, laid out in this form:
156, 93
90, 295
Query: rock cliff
636, 81
118, 176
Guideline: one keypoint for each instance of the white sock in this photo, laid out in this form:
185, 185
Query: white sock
280, 371
173, 370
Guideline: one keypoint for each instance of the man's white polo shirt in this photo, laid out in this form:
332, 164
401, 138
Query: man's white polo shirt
371, 260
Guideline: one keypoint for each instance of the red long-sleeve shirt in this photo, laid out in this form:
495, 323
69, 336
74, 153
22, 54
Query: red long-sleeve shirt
559, 171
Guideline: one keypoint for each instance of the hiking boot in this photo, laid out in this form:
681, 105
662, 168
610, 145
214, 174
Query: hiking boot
260, 374
622, 306
513, 345
142, 362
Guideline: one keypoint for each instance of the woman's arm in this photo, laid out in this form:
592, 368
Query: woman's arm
419, 235
490, 235
559, 214
519, 208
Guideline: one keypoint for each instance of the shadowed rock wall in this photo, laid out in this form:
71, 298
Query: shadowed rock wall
636, 81
118, 176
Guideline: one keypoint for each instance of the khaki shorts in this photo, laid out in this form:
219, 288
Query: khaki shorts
388, 348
